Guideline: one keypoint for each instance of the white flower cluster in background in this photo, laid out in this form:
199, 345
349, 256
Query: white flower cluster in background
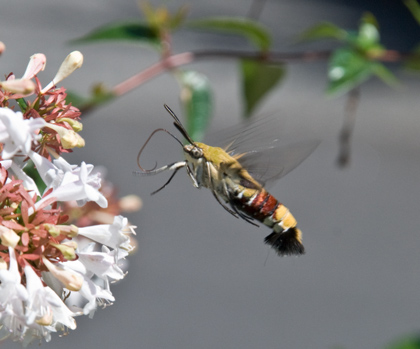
50, 271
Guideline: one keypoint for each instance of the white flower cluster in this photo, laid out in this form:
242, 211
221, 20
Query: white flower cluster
48, 302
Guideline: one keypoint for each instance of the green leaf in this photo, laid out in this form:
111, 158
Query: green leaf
123, 31
368, 37
161, 18
100, 95
414, 8
22, 104
406, 343
413, 61
196, 98
178, 18
385, 74
32, 172
324, 30
347, 69
75, 99
252, 30
258, 79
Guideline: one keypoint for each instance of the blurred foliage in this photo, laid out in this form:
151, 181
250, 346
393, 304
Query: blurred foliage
358, 56
408, 342
161, 19
250, 29
196, 100
32, 172
414, 8
133, 31
99, 96
258, 79
358, 59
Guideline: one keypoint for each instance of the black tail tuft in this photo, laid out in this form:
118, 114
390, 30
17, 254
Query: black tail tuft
287, 242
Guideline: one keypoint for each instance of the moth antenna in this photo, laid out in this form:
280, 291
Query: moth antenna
153, 170
171, 112
178, 124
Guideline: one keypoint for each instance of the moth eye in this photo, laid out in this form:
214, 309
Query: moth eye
196, 153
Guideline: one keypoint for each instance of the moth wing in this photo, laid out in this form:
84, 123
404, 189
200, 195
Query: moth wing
248, 135
266, 165
257, 146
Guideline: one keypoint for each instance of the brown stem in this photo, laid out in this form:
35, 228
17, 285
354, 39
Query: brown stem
170, 62
152, 71
188, 57
353, 99
267, 57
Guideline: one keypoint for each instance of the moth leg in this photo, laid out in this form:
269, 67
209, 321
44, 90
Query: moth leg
242, 215
169, 180
233, 213
213, 191
234, 208
191, 175
172, 167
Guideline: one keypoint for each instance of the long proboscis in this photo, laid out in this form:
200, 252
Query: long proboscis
154, 170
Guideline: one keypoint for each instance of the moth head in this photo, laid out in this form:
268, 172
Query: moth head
194, 151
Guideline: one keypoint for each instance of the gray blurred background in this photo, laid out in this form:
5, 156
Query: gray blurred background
202, 279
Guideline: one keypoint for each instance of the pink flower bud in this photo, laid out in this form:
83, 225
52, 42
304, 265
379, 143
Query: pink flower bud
3, 264
71, 280
130, 203
36, 64
72, 62
23, 87
45, 320
8, 237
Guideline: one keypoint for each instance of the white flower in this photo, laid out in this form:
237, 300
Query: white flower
12, 297
98, 264
51, 273
69, 182
102, 264
92, 294
52, 174
28, 182
6, 164
45, 311
29, 313
43, 302
112, 235
16, 133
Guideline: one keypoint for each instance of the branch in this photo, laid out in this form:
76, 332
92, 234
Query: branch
181, 59
154, 70
353, 99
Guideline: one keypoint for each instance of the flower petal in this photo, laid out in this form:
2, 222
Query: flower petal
16, 133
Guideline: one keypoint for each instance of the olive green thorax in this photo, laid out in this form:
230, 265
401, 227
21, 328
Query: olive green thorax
226, 164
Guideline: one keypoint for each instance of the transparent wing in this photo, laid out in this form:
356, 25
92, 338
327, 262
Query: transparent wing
268, 164
248, 135
259, 147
